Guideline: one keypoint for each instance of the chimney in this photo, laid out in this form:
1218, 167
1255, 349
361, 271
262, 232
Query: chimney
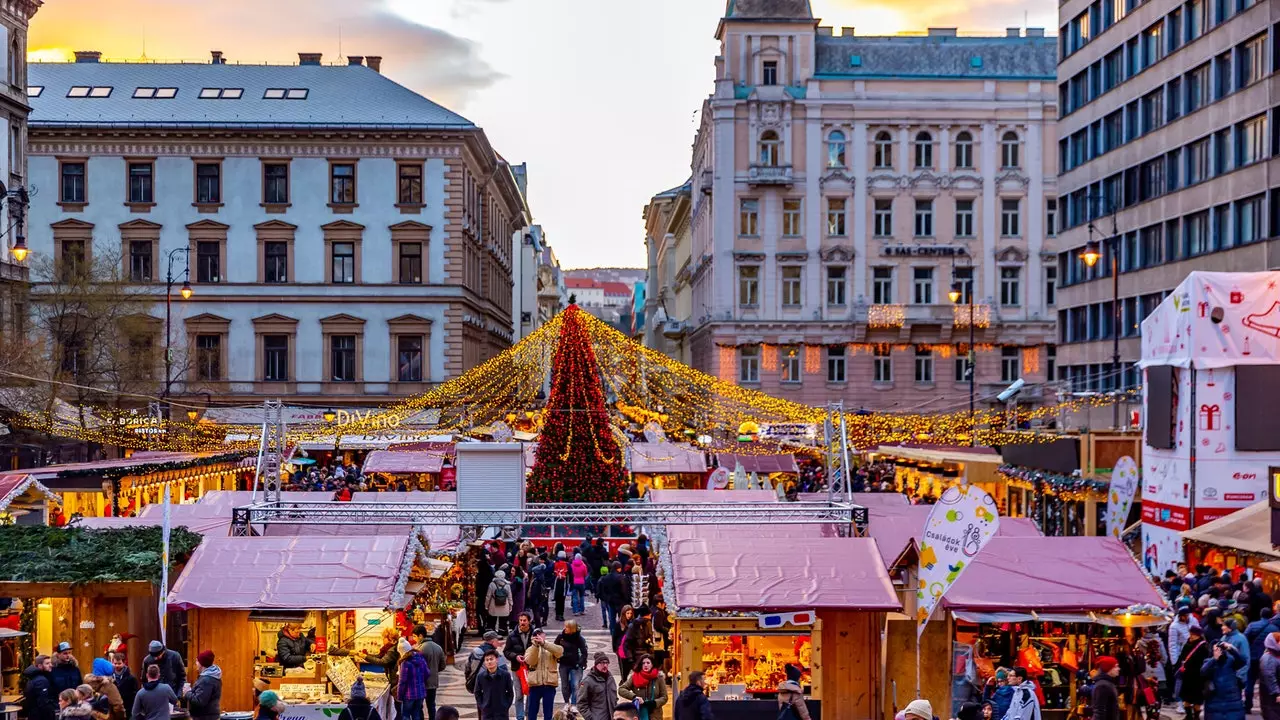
88, 56
217, 57
309, 58
846, 31
942, 32
374, 62
824, 31
355, 60
1035, 32
1012, 32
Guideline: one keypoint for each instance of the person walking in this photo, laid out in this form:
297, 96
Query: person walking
434, 655
1269, 678
155, 697
39, 701
1179, 634
543, 659
494, 693
412, 689
692, 703
999, 692
1025, 703
1150, 648
618, 634
1190, 688
497, 602
637, 640
579, 572
270, 706
791, 698
1222, 672
598, 691
560, 585
573, 660
358, 705
124, 681
646, 687
1105, 700
517, 644
72, 707
1256, 633
204, 699
173, 672
104, 688
610, 593
66, 671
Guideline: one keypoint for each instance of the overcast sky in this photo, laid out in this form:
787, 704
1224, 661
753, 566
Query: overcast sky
598, 96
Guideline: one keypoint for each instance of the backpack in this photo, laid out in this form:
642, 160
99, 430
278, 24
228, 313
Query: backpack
787, 712
500, 595
470, 676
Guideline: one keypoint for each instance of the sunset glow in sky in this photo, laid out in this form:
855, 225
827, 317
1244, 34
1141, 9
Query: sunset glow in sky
600, 97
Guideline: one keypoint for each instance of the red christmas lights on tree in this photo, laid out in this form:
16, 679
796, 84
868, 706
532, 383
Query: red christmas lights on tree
578, 459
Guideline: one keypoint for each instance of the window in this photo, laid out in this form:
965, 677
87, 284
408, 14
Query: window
769, 145
275, 259
1051, 217
882, 364
1051, 285
924, 365
409, 358
72, 262
344, 262
342, 183
1010, 290
141, 189
285, 94
73, 182
964, 150
342, 350
1197, 18
835, 149
924, 150
275, 183
1198, 166
1008, 364
1051, 361
152, 93
410, 183
882, 286
836, 284
836, 217
1009, 150
208, 183
883, 150
78, 91
410, 263
882, 216
790, 363
1195, 230
748, 285
1198, 88
208, 357
1222, 76
208, 261
1009, 217
273, 94
1222, 155
1112, 69
964, 218
770, 74
963, 277
791, 217
221, 93
34, 90
275, 358
1251, 143
924, 218
296, 94
140, 261
749, 364
922, 286
791, 290
1152, 46
748, 216
1151, 107
1249, 220
1251, 59
836, 363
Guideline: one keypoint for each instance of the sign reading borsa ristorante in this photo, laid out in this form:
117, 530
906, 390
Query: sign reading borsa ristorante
924, 250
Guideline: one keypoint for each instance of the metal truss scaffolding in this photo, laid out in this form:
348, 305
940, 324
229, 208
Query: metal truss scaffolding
836, 437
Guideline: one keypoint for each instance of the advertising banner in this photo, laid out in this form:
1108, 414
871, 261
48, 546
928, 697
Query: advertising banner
1124, 485
959, 526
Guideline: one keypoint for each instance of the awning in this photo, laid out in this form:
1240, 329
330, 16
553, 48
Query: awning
995, 618
1247, 529
139, 460
897, 527
665, 458
695, 497
785, 463
403, 462
941, 453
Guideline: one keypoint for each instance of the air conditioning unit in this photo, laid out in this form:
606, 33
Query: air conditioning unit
673, 329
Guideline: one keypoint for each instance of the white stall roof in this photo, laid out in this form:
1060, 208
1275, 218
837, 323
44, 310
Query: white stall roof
1215, 320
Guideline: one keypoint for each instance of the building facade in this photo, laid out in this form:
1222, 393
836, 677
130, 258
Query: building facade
669, 300
15, 17
1167, 145
338, 251
841, 184
537, 283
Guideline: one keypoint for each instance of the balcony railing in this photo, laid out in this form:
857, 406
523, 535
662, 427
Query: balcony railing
769, 175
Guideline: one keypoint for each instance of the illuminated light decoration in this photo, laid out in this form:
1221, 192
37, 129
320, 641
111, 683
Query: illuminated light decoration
769, 358
981, 316
728, 365
812, 359
880, 317
1030, 360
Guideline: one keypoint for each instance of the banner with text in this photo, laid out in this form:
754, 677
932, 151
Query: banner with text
1124, 485
959, 526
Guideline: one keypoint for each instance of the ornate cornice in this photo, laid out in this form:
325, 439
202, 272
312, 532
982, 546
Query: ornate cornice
836, 174
1013, 175
748, 256
326, 149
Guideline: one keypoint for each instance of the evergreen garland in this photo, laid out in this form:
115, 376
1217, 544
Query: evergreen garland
35, 553
156, 467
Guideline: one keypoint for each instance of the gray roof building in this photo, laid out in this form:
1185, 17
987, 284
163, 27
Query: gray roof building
940, 54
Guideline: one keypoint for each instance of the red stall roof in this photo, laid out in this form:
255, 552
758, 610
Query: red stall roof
726, 567
291, 573
1052, 574
403, 461
896, 527
666, 457
760, 463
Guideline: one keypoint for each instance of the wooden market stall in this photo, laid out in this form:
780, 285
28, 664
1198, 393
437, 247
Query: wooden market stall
1237, 543
924, 471
751, 601
24, 500
667, 465
417, 470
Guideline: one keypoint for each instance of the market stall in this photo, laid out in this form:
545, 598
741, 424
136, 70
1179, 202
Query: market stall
748, 602
24, 500
324, 601
414, 470
924, 471
662, 465
1238, 543
1061, 504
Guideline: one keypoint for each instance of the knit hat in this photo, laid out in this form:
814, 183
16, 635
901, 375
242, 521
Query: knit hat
205, 658
1184, 610
600, 658
1002, 675
492, 635
1272, 642
403, 646
102, 667
268, 699
919, 708
793, 672
155, 646
1105, 663
357, 689
560, 555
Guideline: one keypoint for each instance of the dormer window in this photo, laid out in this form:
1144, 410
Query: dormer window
770, 74
221, 93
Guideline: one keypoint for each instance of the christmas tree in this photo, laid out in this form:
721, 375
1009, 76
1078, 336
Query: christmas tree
578, 457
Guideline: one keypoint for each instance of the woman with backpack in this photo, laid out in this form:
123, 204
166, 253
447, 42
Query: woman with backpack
497, 602
791, 705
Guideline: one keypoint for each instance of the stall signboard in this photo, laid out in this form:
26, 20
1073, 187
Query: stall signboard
1124, 485
796, 432
959, 526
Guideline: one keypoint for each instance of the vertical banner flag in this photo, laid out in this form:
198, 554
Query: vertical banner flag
1124, 485
959, 526
164, 566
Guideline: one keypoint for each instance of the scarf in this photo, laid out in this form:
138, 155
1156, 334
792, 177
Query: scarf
641, 679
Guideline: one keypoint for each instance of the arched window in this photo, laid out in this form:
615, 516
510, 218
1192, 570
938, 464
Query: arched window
835, 149
924, 150
1009, 150
964, 150
883, 150
769, 148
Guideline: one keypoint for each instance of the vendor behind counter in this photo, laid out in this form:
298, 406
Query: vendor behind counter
293, 645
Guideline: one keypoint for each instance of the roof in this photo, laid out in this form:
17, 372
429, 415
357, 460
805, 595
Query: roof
941, 453
1247, 529
291, 573
937, 56
403, 461
666, 457
1052, 574
615, 288
578, 283
728, 568
138, 460
768, 10
785, 463
21, 485
691, 497
897, 528
1181, 331
337, 96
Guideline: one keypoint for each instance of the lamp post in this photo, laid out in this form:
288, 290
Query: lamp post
169, 279
18, 200
1091, 254
955, 295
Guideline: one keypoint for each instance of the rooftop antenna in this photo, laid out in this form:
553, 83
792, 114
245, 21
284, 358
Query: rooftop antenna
339, 42
144, 42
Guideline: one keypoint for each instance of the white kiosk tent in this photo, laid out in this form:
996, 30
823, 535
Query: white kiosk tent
1211, 380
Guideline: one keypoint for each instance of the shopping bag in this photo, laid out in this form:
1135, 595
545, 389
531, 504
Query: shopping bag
523, 674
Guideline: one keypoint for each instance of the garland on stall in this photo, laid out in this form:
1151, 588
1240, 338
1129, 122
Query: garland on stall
35, 553
1052, 483
159, 466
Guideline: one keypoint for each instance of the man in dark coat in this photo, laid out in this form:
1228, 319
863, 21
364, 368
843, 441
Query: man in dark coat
66, 672
172, 670
1105, 700
125, 682
205, 698
494, 691
692, 702
612, 594
293, 646
1221, 674
39, 701
1187, 673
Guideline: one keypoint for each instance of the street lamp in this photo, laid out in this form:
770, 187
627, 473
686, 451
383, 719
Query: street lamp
954, 294
186, 292
329, 415
192, 414
1091, 254
19, 249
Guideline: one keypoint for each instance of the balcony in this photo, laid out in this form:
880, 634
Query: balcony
707, 181
769, 175
879, 317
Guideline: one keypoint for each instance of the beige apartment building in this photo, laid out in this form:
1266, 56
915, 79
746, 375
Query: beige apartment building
1167, 143
669, 297
841, 184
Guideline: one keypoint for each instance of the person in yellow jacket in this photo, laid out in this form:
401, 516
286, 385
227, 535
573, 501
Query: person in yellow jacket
646, 687
543, 659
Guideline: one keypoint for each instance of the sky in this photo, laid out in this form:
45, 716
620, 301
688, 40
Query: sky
599, 97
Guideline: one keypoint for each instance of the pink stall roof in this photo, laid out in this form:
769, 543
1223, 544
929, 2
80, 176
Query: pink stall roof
403, 462
726, 567
695, 497
99, 466
896, 527
291, 573
1053, 574
19, 485
666, 457
760, 463
865, 499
